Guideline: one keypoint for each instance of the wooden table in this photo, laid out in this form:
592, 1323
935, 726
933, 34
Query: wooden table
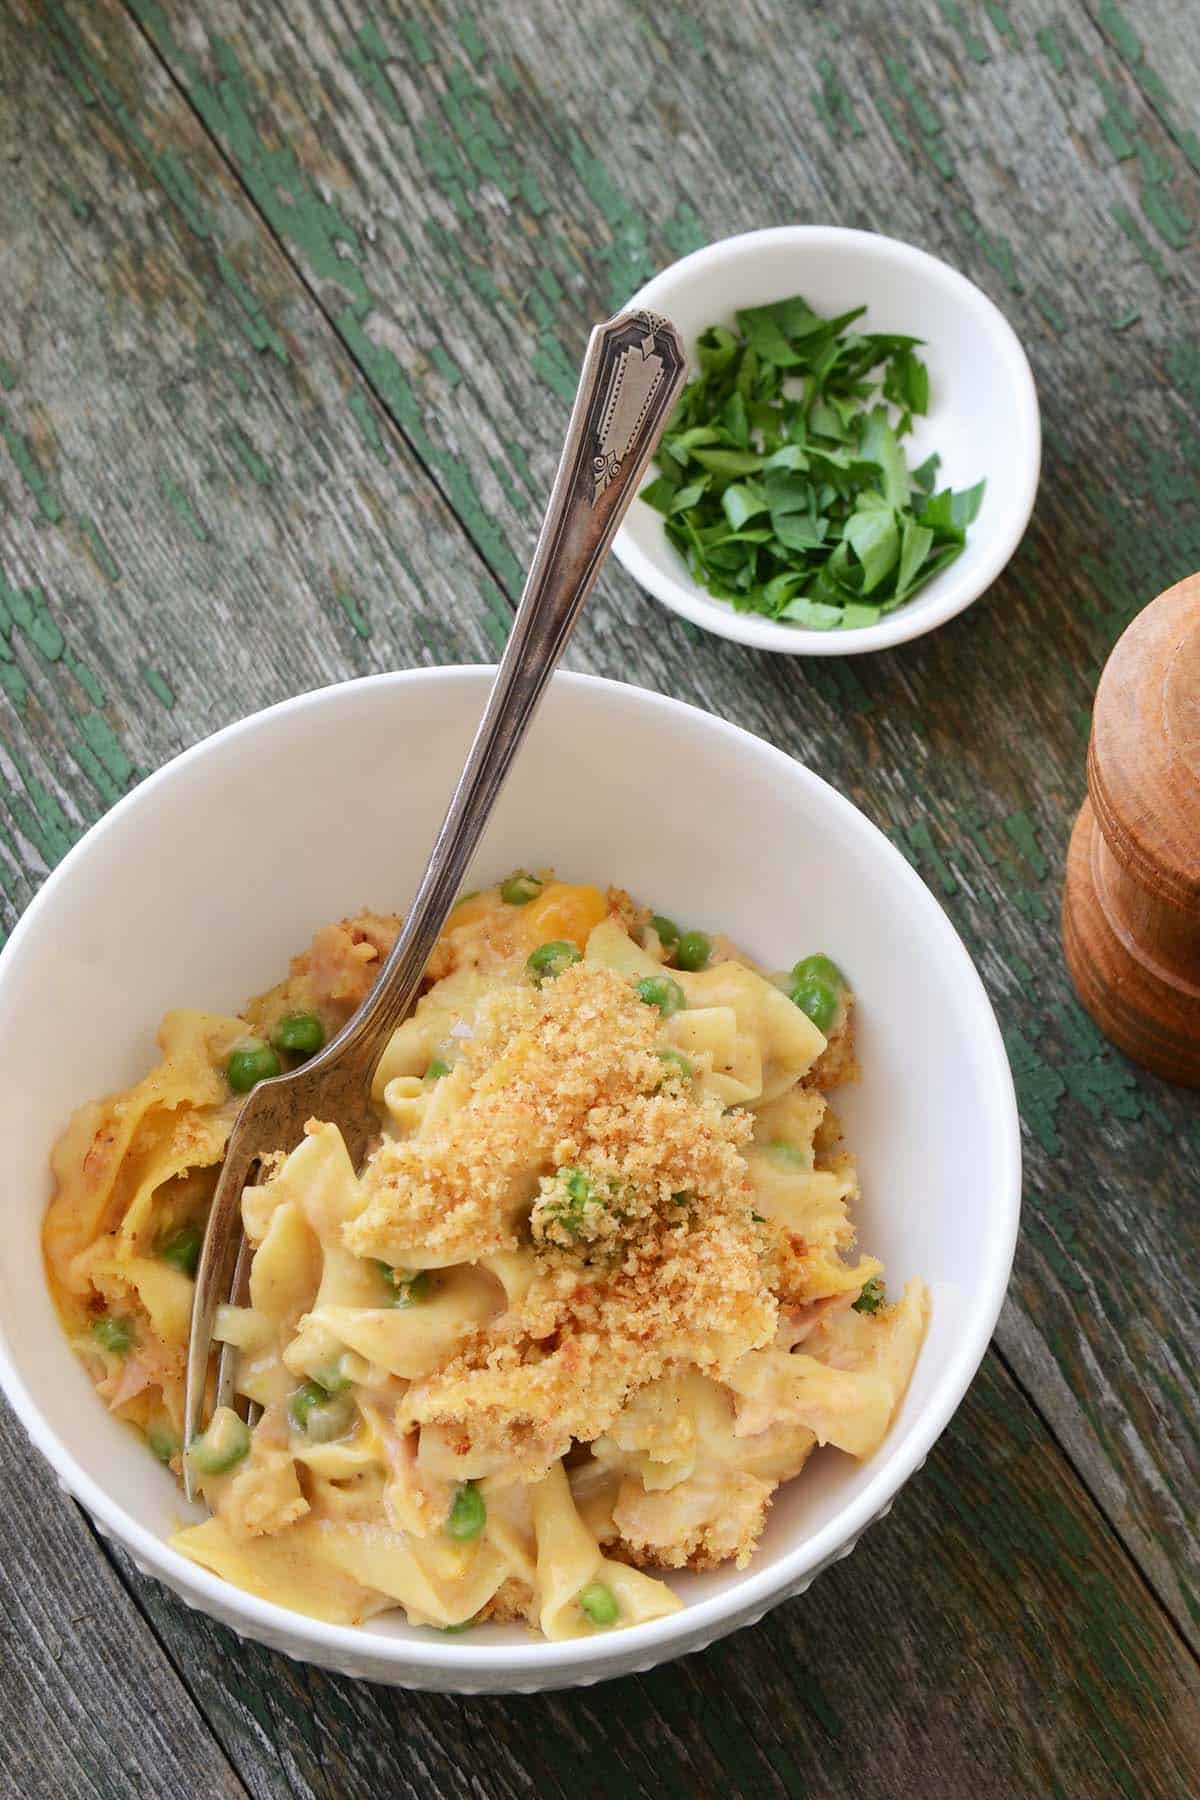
291, 304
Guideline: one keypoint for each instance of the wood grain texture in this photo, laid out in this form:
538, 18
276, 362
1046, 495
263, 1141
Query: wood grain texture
203, 506
985, 1639
201, 509
465, 193
90, 1708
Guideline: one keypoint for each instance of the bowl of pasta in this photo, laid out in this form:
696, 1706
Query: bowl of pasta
687, 1221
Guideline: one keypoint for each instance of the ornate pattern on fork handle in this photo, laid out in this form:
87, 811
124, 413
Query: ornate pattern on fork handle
636, 377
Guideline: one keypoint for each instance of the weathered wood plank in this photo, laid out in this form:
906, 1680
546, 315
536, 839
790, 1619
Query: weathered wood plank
201, 508
465, 194
90, 1707
984, 1639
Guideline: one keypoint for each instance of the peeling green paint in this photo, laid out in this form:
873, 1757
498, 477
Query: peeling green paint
1052, 314
1004, 25
1023, 832
833, 100
85, 678
252, 319
102, 556
254, 464
1141, 243
972, 43
182, 507
497, 620
446, 367
354, 613
1039, 1090
995, 247
158, 686
38, 815
30, 470
1051, 49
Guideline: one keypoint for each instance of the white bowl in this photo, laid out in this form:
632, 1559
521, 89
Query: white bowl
198, 885
983, 417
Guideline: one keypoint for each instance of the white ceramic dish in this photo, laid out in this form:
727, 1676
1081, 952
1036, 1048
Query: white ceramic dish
196, 887
983, 416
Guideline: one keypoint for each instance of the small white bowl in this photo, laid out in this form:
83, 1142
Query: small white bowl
983, 417
198, 885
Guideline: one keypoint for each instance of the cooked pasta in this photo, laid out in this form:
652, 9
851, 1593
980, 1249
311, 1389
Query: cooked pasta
592, 1297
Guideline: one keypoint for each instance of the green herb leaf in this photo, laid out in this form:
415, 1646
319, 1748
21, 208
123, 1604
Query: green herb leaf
874, 537
740, 502
782, 482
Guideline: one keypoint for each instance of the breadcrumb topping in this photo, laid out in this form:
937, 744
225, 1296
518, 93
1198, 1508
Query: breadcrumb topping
647, 1249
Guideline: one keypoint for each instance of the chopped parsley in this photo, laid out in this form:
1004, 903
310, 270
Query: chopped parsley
572, 1203
782, 481
872, 1296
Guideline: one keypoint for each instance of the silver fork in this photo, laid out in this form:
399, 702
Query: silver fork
632, 373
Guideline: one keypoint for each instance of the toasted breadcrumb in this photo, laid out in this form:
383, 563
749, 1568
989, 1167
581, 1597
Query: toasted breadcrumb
632, 916
568, 1078
837, 1063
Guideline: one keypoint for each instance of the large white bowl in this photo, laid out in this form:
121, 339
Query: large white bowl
196, 887
983, 417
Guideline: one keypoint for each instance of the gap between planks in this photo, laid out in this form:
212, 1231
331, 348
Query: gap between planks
1097, 1504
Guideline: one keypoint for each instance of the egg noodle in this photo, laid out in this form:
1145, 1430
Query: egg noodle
591, 1298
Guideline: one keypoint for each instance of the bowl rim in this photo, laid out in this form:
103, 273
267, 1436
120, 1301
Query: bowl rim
752, 1593
910, 621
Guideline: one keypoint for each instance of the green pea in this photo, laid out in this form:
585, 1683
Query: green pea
163, 1442
321, 1416
520, 888
182, 1249
250, 1064
406, 1287
871, 1298
578, 1194
468, 1514
303, 1401
599, 1603
115, 1334
435, 1071
549, 960
693, 950
818, 998
453, 1630
301, 1033
222, 1445
788, 1153
677, 1064
661, 991
666, 930
332, 1380
823, 968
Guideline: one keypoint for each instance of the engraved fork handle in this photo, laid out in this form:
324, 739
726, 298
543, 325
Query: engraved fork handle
632, 372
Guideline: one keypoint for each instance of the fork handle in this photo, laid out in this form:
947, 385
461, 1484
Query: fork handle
633, 371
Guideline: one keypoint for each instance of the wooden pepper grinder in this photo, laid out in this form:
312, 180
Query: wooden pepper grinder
1131, 908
